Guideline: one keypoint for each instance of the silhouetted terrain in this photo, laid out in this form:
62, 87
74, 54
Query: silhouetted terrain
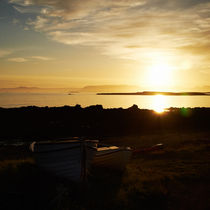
175, 177
161, 93
94, 121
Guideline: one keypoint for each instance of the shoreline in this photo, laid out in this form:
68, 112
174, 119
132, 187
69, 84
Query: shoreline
152, 93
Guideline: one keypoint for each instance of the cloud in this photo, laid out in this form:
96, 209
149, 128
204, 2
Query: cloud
117, 27
24, 9
29, 58
18, 60
4, 53
174, 5
15, 21
42, 58
21, 2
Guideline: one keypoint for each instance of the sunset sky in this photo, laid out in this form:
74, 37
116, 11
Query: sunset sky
153, 44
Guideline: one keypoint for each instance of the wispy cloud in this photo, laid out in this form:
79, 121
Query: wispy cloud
26, 9
21, 2
42, 58
15, 21
18, 60
114, 27
29, 58
4, 53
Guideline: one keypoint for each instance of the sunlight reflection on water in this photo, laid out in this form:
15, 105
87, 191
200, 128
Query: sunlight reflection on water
159, 103
156, 102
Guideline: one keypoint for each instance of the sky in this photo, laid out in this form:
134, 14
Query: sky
153, 44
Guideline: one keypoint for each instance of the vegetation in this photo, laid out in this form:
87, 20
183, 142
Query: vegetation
29, 123
176, 177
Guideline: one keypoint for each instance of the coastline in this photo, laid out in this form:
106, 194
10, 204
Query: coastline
149, 93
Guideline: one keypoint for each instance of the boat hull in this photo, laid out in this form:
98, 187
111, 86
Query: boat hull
71, 159
113, 158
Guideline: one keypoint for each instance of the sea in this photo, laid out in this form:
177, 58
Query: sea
153, 102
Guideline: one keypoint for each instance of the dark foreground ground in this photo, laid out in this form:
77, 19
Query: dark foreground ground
176, 177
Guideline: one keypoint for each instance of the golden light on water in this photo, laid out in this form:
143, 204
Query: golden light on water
159, 103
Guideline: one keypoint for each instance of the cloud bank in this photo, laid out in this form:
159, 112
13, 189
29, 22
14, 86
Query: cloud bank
128, 29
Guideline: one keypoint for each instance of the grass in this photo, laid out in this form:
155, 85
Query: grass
177, 177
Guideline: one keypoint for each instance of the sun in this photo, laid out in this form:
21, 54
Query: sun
159, 73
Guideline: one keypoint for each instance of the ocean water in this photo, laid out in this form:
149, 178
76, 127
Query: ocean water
157, 102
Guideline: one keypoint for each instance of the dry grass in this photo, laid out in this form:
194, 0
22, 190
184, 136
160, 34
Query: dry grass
15, 163
177, 177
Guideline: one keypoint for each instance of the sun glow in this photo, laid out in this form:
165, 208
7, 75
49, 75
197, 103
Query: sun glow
159, 72
159, 103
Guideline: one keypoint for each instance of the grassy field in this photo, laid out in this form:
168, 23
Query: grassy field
175, 177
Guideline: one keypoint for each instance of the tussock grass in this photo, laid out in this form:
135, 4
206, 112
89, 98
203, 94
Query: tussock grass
177, 177
15, 163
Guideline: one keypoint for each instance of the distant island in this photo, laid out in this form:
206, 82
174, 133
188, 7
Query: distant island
85, 89
161, 93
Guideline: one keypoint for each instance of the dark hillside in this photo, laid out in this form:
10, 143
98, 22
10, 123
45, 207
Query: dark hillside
94, 121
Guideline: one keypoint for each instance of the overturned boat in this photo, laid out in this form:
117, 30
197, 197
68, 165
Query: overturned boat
112, 157
70, 159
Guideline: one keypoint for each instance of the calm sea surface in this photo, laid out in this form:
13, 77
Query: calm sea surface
157, 102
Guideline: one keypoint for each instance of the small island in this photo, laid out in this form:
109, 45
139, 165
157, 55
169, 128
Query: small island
161, 93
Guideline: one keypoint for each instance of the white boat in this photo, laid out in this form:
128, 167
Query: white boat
112, 157
70, 159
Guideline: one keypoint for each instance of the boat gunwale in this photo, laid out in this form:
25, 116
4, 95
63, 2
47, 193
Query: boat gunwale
111, 152
64, 142
63, 149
